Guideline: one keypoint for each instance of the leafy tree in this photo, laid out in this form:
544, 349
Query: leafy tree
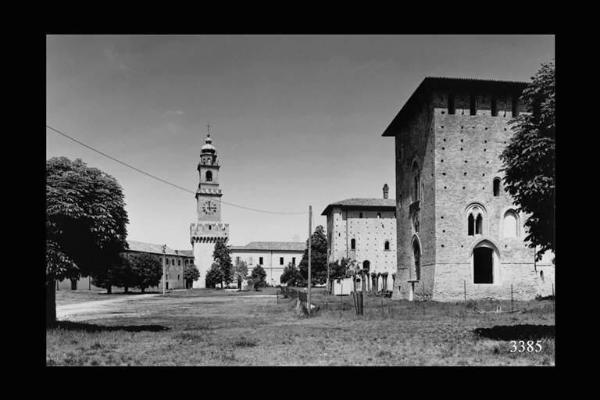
240, 272
222, 256
146, 270
529, 160
119, 274
190, 274
290, 275
214, 276
318, 258
85, 224
339, 269
258, 277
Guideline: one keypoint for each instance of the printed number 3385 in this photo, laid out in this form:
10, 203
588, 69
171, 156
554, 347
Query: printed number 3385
521, 346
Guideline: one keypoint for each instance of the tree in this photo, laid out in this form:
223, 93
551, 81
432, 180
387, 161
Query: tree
240, 272
146, 270
529, 160
190, 274
118, 274
258, 277
214, 276
318, 258
339, 269
85, 224
290, 275
222, 256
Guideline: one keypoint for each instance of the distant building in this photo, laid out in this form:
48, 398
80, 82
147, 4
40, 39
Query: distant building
175, 261
272, 256
364, 229
459, 233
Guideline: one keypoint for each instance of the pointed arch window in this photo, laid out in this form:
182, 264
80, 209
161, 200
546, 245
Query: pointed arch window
479, 225
475, 213
471, 223
209, 176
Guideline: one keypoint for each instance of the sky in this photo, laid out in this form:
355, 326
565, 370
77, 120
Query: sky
296, 120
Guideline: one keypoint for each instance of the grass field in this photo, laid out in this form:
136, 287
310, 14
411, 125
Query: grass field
215, 327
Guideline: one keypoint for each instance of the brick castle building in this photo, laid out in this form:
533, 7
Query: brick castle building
364, 229
458, 231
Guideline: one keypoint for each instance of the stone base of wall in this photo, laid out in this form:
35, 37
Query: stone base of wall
451, 281
526, 282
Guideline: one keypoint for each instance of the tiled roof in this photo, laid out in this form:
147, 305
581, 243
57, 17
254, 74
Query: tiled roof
144, 247
418, 96
272, 246
362, 203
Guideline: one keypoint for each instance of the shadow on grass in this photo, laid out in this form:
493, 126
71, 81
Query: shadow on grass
517, 332
82, 326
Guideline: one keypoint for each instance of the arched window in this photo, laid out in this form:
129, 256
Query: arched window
353, 244
475, 212
471, 227
386, 245
208, 176
510, 224
496, 186
417, 255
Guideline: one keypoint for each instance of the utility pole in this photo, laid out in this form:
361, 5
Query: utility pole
164, 250
309, 254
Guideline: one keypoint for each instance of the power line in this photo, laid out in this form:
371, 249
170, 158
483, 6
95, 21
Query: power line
163, 180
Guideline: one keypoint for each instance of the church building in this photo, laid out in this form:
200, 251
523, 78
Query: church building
364, 230
459, 235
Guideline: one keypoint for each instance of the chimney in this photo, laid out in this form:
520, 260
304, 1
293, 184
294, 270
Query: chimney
385, 191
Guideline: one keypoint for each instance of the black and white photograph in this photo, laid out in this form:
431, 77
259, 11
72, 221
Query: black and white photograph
300, 200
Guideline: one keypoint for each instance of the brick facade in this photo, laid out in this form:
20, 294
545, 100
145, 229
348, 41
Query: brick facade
455, 159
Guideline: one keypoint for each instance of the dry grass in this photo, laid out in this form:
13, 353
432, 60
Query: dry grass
219, 328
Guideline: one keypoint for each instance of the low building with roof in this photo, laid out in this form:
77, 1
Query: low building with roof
364, 229
176, 260
272, 256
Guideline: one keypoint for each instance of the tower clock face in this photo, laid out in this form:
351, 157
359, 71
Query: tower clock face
209, 207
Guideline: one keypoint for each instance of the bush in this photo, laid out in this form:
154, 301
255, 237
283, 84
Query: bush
258, 277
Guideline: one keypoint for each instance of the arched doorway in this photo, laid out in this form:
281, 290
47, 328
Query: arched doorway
417, 258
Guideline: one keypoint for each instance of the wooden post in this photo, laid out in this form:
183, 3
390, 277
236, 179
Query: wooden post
309, 254
511, 297
164, 249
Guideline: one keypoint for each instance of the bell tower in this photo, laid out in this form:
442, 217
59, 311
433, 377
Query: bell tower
208, 228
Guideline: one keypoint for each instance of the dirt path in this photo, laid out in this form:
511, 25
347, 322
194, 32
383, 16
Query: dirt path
95, 309
137, 305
